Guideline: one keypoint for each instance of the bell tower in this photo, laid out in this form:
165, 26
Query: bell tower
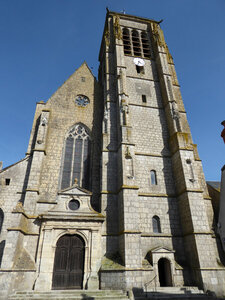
153, 189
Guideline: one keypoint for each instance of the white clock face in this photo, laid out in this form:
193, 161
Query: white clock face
139, 62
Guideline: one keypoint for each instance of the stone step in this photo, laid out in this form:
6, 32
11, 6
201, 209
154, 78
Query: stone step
81, 297
177, 297
174, 296
72, 292
70, 295
176, 290
177, 293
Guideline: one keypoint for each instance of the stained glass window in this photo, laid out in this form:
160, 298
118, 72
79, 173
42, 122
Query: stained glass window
76, 161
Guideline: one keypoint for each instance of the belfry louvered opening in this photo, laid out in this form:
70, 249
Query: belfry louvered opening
136, 43
76, 161
126, 41
145, 45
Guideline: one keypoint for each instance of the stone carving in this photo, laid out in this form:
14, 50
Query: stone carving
158, 35
127, 154
160, 41
105, 120
43, 121
19, 207
192, 177
117, 29
129, 164
42, 128
169, 88
175, 112
106, 36
223, 131
125, 111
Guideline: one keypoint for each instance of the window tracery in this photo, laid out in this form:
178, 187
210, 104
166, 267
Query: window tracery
76, 162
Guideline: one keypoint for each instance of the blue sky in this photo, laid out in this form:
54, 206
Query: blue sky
43, 42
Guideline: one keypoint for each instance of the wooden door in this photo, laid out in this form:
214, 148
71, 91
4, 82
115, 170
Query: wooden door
69, 263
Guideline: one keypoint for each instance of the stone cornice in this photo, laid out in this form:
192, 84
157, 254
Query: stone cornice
151, 154
157, 195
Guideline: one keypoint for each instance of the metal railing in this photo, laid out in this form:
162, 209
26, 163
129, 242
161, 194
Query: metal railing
147, 283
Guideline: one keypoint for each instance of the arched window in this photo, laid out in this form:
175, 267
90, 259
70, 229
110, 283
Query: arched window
136, 43
76, 161
145, 44
156, 224
126, 42
153, 177
1, 219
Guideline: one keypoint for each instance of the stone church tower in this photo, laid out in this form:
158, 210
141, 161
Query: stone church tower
111, 193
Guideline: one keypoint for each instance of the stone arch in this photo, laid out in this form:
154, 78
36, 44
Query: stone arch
71, 232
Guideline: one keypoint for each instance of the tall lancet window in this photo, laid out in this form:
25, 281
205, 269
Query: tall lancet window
153, 177
76, 162
156, 224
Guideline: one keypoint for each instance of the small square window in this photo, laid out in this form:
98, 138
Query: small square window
140, 69
7, 181
144, 100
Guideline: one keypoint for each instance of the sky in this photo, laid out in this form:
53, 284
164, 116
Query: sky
42, 42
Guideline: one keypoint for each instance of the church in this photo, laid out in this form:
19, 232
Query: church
111, 193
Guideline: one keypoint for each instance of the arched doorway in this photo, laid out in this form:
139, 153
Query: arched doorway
68, 269
165, 276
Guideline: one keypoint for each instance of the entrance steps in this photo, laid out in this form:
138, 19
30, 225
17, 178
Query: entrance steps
177, 293
70, 295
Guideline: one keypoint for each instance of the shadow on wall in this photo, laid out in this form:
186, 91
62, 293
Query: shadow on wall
2, 246
173, 207
96, 147
140, 293
27, 174
86, 297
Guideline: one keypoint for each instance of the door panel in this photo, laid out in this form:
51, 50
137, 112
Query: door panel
69, 263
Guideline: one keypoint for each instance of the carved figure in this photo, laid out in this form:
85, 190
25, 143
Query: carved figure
117, 29
223, 131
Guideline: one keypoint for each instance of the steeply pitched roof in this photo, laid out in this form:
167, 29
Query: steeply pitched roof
214, 184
